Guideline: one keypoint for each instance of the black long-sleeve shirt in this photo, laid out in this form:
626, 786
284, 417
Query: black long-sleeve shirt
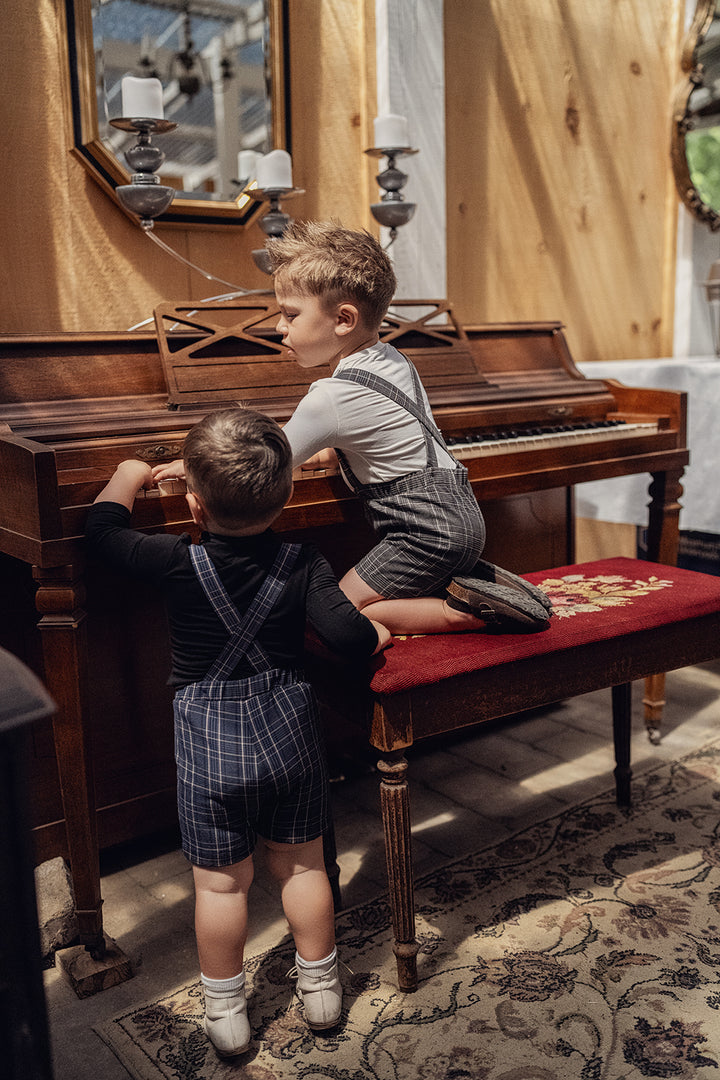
196, 634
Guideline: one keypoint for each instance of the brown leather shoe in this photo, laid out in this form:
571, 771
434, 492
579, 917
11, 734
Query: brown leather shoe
495, 574
497, 604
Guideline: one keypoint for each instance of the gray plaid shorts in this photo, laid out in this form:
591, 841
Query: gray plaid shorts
430, 528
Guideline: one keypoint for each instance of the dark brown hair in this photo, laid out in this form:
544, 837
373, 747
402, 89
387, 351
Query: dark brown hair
240, 464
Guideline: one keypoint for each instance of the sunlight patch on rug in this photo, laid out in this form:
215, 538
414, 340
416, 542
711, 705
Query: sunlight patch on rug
585, 948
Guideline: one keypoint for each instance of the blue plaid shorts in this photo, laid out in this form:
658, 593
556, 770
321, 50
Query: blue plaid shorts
250, 762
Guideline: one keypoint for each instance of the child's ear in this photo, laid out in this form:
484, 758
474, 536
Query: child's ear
197, 510
347, 318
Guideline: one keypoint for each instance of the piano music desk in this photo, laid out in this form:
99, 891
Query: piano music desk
617, 620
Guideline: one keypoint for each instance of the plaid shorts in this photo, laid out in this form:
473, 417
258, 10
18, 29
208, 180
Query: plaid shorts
250, 762
430, 528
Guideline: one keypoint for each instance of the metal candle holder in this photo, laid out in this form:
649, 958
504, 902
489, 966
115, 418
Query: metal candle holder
145, 195
393, 210
275, 221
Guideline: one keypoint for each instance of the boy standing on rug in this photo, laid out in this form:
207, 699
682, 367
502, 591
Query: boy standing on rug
248, 751
425, 574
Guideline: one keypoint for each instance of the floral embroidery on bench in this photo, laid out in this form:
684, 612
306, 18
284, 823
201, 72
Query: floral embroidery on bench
575, 593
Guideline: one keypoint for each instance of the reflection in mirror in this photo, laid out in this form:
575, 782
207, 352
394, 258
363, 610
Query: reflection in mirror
221, 65
696, 117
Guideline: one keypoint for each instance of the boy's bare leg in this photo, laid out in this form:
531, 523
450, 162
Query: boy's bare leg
424, 615
306, 895
221, 917
419, 615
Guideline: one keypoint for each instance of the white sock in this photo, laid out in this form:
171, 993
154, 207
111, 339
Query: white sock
313, 965
224, 986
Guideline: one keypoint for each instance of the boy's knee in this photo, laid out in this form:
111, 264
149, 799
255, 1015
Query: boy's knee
224, 879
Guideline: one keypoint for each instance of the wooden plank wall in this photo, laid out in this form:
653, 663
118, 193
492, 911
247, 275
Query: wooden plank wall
561, 201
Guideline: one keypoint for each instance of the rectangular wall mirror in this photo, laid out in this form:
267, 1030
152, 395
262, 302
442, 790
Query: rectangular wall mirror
223, 69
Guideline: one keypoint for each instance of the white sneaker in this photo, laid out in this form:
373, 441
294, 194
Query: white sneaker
321, 994
226, 1024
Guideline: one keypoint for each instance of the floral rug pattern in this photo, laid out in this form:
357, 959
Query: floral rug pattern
584, 948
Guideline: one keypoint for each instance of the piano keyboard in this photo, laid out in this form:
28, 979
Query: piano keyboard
500, 442
488, 444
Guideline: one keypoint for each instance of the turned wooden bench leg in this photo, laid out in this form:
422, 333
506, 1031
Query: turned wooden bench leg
622, 728
395, 805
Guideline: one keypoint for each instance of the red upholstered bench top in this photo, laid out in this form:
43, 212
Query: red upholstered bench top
592, 601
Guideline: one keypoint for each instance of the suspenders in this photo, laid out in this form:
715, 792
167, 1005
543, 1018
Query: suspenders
242, 629
431, 432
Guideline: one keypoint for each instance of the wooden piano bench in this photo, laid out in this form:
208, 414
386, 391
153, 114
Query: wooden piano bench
615, 621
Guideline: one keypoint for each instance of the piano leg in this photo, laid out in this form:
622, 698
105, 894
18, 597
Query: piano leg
59, 601
662, 546
664, 516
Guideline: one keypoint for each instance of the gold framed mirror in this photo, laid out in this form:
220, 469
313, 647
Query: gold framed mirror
223, 66
695, 143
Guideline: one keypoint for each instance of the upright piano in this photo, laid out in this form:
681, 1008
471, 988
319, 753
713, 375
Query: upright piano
508, 398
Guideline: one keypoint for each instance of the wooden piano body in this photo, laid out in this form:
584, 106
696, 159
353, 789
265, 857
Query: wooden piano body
73, 405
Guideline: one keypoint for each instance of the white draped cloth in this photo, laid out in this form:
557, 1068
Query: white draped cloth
626, 499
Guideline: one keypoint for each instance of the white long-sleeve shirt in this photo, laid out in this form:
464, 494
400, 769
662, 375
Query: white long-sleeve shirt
380, 439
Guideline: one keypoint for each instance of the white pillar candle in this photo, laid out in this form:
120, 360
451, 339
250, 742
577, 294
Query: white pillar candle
247, 164
142, 98
390, 130
274, 170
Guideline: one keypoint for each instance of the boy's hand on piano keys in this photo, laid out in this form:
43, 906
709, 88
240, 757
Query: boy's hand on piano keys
321, 463
129, 478
169, 470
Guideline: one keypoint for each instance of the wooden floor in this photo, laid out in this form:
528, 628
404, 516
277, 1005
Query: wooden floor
467, 791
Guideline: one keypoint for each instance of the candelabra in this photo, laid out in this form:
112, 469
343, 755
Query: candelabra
145, 195
148, 198
274, 222
393, 210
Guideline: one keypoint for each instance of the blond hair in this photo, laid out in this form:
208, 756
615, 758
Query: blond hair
325, 260
239, 463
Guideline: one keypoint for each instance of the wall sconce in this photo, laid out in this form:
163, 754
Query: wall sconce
148, 198
144, 195
391, 141
142, 107
273, 179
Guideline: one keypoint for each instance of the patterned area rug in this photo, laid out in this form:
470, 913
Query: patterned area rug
586, 947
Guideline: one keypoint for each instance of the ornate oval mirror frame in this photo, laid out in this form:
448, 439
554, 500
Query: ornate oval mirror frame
696, 106
109, 172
